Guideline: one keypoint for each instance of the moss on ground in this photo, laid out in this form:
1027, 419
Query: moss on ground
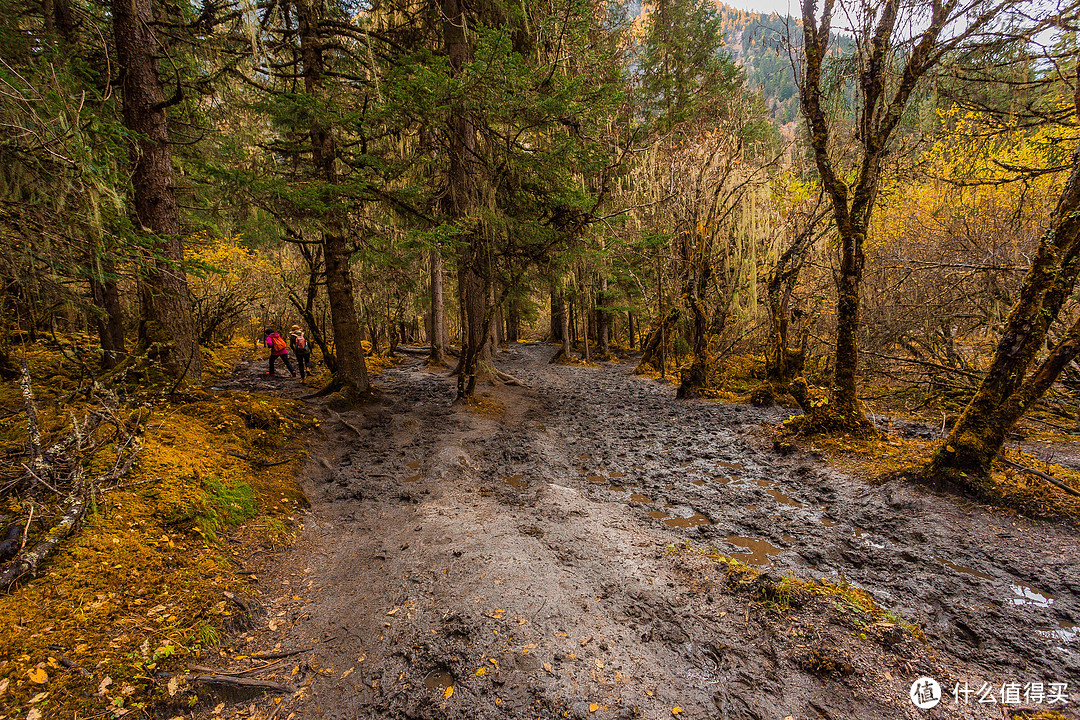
139, 588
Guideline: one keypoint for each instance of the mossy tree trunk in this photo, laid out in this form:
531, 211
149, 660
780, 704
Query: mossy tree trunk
853, 191
1008, 390
653, 351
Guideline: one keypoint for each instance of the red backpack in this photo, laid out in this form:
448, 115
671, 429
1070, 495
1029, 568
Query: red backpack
300, 343
278, 345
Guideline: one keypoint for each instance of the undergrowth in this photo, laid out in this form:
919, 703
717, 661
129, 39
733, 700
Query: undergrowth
139, 588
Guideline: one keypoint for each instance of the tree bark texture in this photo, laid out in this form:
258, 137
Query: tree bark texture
165, 325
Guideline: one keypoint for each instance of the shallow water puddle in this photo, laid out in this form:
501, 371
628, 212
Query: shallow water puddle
729, 465
639, 498
438, 680
827, 522
695, 520
758, 552
1064, 632
784, 499
596, 478
699, 482
412, 478
1024, 595
675, 521
616, 474
516, 482
413, 464
964, 570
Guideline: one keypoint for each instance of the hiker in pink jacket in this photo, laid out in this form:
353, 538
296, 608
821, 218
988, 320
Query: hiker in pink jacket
278, 349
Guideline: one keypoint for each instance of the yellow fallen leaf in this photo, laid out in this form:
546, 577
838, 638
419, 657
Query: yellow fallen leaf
38, 675
393, 612
347, 673
498, 701
676, 710
481, 671
594, 707
547, 666
174, 685
38, 698
448, 691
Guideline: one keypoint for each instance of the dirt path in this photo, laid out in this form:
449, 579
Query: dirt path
525, 561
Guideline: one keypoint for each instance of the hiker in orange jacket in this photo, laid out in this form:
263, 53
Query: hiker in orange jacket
278, 349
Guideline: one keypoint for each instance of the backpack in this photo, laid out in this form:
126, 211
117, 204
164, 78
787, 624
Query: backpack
278, 345
299, 343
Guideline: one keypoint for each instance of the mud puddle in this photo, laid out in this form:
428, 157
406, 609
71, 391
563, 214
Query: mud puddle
752, 551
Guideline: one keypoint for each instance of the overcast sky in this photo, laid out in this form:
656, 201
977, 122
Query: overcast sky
781, 7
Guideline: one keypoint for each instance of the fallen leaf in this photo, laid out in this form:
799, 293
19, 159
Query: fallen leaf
34, 714
3, 686
594, 707
585, 641
498, 701
218, 708
481, 671
678, 711
448, 691
38, 698
174, 685
103, 685
347, 673
393, 612
38, 675
547, 666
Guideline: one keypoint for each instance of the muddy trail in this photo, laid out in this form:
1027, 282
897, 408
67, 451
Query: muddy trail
535, 555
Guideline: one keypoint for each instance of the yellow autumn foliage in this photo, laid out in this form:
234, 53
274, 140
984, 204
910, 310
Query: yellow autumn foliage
139, 587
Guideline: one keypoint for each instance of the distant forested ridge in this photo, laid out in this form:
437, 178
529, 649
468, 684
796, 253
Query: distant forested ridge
759, 43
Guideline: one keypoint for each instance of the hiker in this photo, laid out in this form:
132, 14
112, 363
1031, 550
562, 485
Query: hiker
301, 350
278, 349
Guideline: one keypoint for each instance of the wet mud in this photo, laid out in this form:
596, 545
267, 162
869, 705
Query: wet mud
533, 562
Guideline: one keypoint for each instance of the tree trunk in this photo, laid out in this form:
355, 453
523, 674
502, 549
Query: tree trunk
564, 330
351, 373
845, 396
603, 321
1006, 392
165, 325
558, 313
513, 321
631, 331
438, 313
653, 347
106, 296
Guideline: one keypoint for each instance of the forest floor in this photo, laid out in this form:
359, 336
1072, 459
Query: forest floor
587, 546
